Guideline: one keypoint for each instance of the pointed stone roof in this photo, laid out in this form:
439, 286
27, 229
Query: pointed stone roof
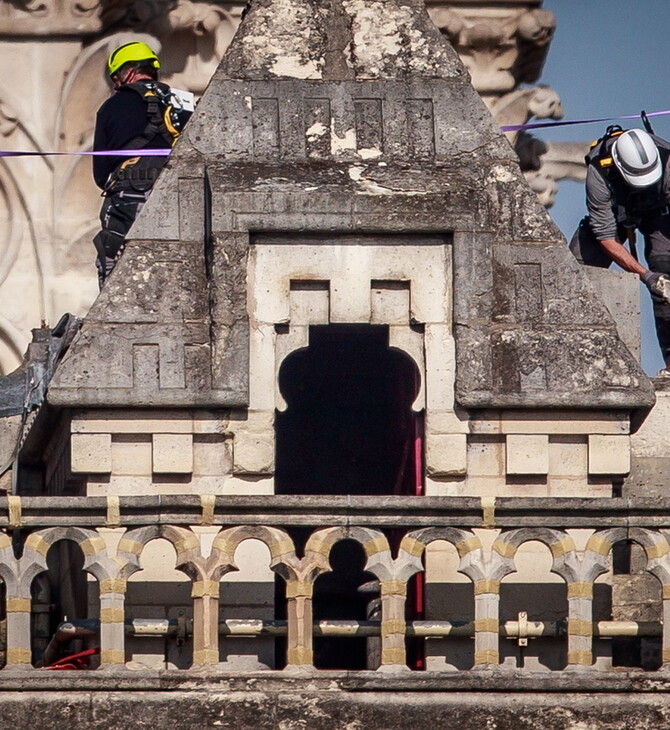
345, 116
339, 41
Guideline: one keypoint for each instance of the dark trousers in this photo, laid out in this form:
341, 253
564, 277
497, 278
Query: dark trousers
117, 214
656, 232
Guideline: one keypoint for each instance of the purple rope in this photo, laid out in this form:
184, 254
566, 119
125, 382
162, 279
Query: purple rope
97, 153
543, 125
165, 152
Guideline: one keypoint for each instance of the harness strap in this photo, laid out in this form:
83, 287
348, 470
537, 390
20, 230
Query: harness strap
156, 125
138, 174
632, 203
600, 152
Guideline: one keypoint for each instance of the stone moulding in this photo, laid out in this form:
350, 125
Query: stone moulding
388, 701
570, 512
50, 17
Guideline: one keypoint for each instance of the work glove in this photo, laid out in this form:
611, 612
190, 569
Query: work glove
658, 284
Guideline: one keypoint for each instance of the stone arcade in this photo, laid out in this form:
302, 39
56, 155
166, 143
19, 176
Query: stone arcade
347, 371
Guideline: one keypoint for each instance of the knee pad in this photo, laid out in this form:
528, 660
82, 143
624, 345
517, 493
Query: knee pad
108, 243
660, 263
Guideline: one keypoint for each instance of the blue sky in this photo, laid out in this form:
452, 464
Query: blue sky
608, 58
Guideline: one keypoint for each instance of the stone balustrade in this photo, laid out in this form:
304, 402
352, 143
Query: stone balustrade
394, 533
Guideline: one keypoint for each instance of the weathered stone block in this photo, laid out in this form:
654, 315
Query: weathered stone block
559, 422
486, 456
10, 433
132, 455
636, 598
649, 477
122, 421
263, 374
6, 481
350, 264
475, 486
159, 219
440, 358
609, 454
212, 455
577, 487
254, 443
568, 456
527, 454
309, 302
246, 484
389, 302
446, 454
172, 453
132, 485
620, 291
91, 453
651, 439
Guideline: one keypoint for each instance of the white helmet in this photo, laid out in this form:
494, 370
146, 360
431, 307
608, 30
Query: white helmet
636, 156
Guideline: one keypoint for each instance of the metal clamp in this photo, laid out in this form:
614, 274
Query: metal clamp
522, 639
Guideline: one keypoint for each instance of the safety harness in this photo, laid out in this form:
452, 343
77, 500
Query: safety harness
138, 174
631, 203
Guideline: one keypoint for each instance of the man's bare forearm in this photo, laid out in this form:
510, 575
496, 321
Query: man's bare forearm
621, 256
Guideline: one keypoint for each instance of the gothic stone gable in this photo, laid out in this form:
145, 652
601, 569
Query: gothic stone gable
332, 122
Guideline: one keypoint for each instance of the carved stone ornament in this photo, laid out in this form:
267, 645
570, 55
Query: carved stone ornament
193, 35
258, 172
50, 17
501, 44
504, 45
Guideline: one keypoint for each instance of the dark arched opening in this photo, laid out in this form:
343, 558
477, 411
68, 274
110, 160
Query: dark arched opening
636, 595
64, 593
346, 593
349, 427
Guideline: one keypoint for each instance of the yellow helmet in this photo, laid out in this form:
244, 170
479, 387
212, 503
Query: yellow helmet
135, 51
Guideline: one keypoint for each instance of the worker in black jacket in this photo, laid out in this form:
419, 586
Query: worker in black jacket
142, 113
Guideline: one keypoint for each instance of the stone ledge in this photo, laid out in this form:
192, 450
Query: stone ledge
327, 700
316, 681
317, 510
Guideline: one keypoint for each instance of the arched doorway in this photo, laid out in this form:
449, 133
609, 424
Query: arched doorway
349, 427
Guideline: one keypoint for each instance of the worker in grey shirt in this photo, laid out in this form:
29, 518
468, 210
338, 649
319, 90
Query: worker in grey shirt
628, 188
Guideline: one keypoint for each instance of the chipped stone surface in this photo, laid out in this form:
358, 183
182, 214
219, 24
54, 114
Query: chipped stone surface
265, 701
339, 39
292, 48
392, 39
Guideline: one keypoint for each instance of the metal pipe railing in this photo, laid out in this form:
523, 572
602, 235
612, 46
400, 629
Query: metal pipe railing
182, 628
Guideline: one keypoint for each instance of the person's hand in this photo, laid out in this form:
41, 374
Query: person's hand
658, 284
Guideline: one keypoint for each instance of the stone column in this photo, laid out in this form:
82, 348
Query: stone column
487, 611
299, 611
112, 622
18, 630
393, 597
580, 624
205, 595
665, 641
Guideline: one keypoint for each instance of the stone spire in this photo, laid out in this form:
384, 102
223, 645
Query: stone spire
331, 122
